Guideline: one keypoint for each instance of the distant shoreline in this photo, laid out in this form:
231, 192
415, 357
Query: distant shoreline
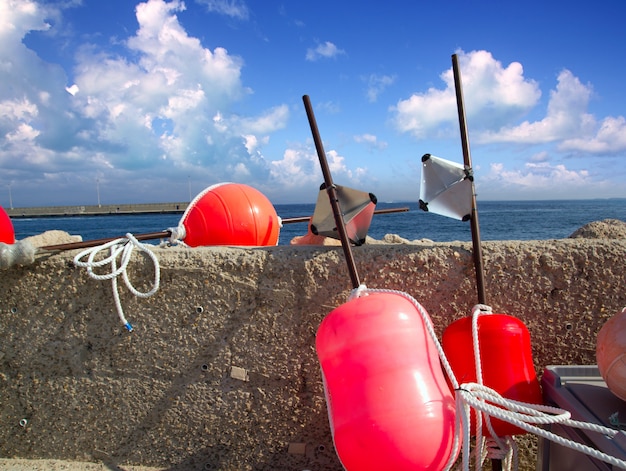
97, 210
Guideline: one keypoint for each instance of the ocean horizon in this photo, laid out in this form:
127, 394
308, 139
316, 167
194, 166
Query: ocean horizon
498, 220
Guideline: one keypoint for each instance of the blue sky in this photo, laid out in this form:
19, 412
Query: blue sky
153, 101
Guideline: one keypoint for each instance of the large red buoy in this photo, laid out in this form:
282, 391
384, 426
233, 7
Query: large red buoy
611, 354
7, 233
505, 358
231, 214
389, 405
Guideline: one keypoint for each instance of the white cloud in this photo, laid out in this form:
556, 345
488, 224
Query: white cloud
18, 110
300, 168
18, 17
149, 110
376, 84
492, 94
325, 50
370, 141
233, 8
73, 90
540, 179
610, 138
566, 116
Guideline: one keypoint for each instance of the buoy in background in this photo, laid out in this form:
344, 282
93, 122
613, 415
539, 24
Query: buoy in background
7, 233
231, 214
388, 402
506, 360
611, 354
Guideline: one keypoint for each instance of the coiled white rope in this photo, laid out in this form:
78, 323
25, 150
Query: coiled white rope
121, 248
490, 403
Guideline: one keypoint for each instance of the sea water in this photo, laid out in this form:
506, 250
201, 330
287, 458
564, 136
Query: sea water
498, 220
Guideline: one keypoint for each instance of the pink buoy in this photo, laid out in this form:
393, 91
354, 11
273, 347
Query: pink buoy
7, 233
231, 214
389, 405
611, 354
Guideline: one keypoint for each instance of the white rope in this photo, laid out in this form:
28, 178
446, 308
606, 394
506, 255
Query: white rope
529, 416
121, 248
486, 401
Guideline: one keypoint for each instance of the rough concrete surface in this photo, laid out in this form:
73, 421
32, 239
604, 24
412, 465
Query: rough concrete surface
221, 373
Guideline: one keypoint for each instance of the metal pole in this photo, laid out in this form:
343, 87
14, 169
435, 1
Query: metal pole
332, 193
378, 211
496, 465
94, 243
467, 161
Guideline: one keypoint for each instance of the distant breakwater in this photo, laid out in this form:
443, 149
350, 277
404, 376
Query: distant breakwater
97, 210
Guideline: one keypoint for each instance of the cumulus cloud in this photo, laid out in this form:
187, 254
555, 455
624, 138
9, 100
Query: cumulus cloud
609, 138
492, 93
496, 97
149, 110
566, 116
300, 167
326, 50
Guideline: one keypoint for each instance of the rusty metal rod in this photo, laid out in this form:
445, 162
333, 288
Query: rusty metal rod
467, 161
93, 243
377, 211
332, 193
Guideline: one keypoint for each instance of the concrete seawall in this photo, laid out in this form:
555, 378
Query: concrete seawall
221, 371
95, 210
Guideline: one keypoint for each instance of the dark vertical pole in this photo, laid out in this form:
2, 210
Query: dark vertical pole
332, 193
496, 465
467, 161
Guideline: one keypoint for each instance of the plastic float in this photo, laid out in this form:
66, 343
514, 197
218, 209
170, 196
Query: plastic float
229, 214
389, 405
502, 359
611, 354
7, 234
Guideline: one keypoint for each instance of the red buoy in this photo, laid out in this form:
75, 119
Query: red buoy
389, 405
7, 233
231, 214
505, 358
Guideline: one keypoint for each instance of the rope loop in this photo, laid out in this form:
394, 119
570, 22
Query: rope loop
358, 292
121, 250
177, 235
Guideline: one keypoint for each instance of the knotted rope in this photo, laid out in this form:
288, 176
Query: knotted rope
487, 402
121, 249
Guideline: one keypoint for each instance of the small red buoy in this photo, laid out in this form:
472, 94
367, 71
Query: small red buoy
389, 405
231, 214
506, 360
611, 354
7, 233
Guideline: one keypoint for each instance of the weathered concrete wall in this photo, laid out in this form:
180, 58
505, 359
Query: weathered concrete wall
171, 393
